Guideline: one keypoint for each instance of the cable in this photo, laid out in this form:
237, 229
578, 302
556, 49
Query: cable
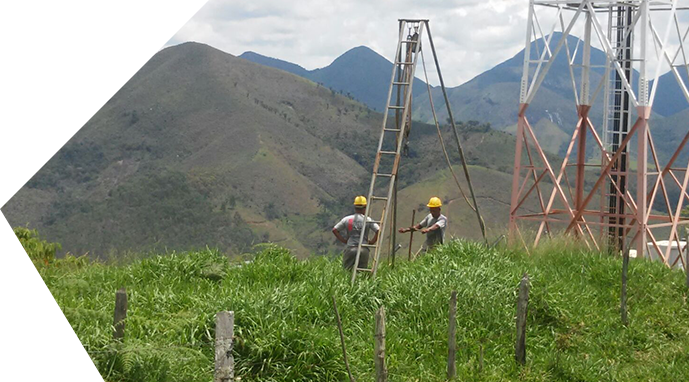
440, 136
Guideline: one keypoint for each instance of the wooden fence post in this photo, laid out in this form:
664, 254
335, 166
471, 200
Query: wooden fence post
379, 346
623, 293
224, 360
14, 290
342, 341
452, 337
120, 314
411, 234
522, 306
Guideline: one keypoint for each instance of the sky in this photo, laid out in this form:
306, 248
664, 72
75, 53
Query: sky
471, 36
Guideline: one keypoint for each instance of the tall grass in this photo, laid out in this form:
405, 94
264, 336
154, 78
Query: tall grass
285, 327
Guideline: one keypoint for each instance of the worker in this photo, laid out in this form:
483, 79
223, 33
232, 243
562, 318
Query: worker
349, 231
433, 225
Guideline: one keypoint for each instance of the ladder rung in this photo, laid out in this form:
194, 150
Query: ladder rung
403, 63
408, 41
385, 175
396, 130
400, 83
369, 245
379, 198
364, 269
395, 107
388, 152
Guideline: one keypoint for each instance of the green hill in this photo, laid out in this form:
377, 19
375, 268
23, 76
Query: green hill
285, 329
201, 148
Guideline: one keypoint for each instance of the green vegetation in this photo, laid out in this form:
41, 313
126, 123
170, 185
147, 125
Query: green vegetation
262, 154
152, 211
23, 250
285, 328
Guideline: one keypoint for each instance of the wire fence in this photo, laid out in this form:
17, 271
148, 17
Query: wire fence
124, 349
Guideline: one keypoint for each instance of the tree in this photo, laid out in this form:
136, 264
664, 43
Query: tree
13, 9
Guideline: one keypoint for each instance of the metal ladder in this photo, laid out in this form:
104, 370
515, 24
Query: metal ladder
617, 118
402, 79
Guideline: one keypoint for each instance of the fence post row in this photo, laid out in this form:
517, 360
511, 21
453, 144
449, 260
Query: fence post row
522, 306
14, 290
120, 314
224, 360
452, 337
379, 346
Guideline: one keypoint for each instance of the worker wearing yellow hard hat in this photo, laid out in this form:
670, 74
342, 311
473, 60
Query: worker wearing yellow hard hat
433, 225
349, 231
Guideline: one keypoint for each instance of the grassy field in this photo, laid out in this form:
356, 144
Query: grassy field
285, 328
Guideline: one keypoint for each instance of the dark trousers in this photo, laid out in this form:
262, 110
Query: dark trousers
349, 256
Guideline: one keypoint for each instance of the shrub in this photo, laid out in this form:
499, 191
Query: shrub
23, 250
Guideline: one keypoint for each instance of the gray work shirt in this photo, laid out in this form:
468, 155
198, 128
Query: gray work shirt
350, 227
437, 236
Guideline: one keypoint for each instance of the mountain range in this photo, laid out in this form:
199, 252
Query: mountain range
360, 73
492, 96
201, 148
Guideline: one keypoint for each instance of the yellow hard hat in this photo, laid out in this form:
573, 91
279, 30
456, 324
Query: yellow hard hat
434, 202
360, 201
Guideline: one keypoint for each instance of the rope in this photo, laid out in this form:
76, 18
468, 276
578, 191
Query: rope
440, 137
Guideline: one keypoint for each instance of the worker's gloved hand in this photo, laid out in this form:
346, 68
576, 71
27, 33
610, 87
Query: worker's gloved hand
425, 231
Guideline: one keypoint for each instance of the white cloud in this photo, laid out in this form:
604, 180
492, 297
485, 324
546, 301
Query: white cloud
471, 35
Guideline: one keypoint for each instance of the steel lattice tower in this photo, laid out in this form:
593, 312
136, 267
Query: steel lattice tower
620, 181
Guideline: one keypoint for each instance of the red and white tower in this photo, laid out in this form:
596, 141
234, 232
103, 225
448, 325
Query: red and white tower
612, 184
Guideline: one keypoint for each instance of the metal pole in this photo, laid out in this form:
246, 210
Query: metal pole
454, 130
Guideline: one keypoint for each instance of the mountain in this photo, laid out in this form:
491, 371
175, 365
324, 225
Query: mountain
669, 99
96, 76
490, 97
201, 148
62, 78
275, 63
194, 148
21, 95
493, 97
360, 73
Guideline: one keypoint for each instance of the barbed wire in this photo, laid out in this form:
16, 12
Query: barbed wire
124, 350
